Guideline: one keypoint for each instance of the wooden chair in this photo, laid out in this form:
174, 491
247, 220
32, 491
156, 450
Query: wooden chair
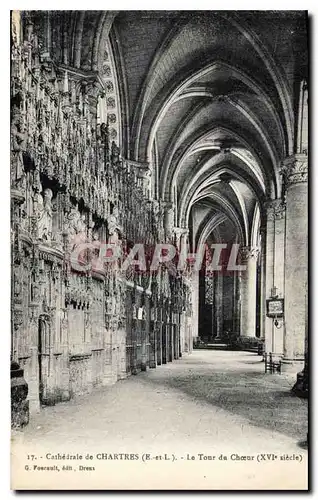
272, 363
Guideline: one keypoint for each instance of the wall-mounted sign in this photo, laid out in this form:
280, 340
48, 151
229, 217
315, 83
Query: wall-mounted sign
275, 307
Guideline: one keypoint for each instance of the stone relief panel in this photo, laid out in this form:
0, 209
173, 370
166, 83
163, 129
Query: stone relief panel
70, 186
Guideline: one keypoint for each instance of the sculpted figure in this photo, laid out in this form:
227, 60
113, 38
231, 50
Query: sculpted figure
168, 221
75, 228
35, 289
114, 228
71, 222
18, 134
81, 233
17, 287
45, 215
18, 140
158, 212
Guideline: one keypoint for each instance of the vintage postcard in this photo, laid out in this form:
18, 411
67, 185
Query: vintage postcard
159, 172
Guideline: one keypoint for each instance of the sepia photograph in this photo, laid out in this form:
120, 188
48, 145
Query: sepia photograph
159, 250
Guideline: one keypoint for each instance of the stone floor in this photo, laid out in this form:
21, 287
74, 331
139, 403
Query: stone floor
211, 402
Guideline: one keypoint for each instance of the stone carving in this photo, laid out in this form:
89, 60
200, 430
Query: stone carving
17, 286
18, 134
111, 117
276, 209
18, 145
111, 103
74, 228
35, 288
158, 216
114, 228
280, 211
44, 209
247, 253
106, 71
168, 219
60, 138
112, 133
109, 87
180, 236
295, 169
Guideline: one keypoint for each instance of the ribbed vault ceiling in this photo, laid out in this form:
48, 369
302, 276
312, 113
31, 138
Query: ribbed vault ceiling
217, 105
207, 99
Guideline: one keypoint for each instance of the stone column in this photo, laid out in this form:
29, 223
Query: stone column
159, 332
168, 219
249, 257
295, 171
234, 303
143, 174
218, 308
263, 283
144, 325
195, 304
180, 234
65, 372
152, 339
170, 336
274, 269
237, 304
176, 339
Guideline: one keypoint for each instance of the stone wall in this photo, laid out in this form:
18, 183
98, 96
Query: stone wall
75, 327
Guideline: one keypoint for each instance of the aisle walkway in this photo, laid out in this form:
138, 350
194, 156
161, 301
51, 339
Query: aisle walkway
215, 395
209, 402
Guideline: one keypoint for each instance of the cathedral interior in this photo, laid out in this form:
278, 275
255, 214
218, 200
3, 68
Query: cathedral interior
186, 128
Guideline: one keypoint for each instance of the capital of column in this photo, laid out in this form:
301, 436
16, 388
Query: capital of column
180, 231
247, 253
295, 169
166, 205
74, 81
142, 169
181, 234
275, 209
167, 208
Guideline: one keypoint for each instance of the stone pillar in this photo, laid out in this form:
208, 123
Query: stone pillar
107, 377
263, 283
170, 336
168, 219
180, 234
177, 344
274, 269
182, 338
249, 257
295, 170
234, 303
33, 379
152, 339
65, 371
195, 304
143, 175
145, 330
121, 372
237, 304
218, 308
159, 332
